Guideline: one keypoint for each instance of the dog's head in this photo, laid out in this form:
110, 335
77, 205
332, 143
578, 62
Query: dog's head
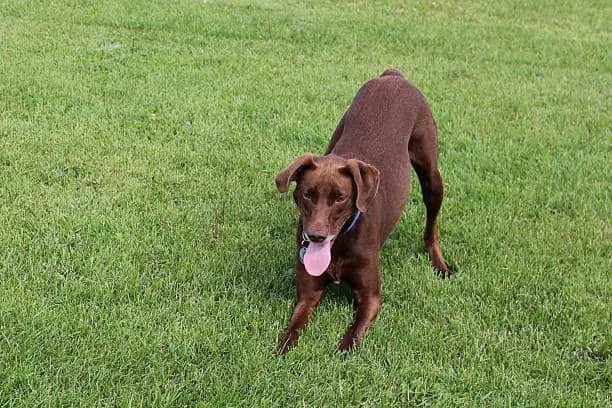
328, 190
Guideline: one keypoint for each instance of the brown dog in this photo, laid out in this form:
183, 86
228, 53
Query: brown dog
351, 198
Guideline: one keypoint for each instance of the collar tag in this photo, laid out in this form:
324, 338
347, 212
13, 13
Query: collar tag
303, 252
305, 243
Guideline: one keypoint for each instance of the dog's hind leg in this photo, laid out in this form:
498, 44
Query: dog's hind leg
423, 149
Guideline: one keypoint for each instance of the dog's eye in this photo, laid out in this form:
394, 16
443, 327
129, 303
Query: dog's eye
308, 194
340, 199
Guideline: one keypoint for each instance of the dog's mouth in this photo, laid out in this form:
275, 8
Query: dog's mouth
318, 256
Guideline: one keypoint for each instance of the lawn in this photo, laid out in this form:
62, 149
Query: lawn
146, 257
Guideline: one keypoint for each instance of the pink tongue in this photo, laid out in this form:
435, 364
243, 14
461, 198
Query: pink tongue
317, 257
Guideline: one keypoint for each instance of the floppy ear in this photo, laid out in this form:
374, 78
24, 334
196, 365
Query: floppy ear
366, 180
286, 176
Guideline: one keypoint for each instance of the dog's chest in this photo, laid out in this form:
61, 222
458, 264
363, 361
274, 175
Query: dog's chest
337, 269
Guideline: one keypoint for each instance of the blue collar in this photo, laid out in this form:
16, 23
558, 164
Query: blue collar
355, 218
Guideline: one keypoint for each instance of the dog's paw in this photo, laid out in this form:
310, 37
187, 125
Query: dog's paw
443, 271
349, 342
288, 341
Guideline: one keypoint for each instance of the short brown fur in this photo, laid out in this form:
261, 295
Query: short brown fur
366, 167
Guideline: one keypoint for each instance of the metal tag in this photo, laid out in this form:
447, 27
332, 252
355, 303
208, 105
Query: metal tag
303, 252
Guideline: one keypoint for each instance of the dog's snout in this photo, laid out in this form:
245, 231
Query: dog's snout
316, 238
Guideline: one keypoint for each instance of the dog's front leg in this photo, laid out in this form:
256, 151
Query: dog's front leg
309, 290
368, 304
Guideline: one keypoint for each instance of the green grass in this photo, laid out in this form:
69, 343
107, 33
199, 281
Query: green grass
146, 257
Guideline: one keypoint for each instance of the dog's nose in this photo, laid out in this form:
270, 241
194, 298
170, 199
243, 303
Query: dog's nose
316, 238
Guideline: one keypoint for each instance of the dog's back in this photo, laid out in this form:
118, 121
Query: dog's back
377, 129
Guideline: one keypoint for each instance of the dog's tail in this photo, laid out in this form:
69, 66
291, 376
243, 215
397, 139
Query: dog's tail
392, 71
